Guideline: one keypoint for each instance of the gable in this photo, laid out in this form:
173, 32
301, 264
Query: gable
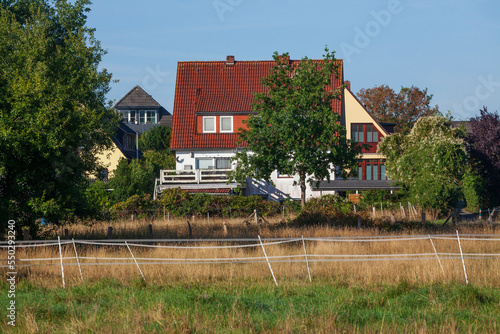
215, 88
137, 98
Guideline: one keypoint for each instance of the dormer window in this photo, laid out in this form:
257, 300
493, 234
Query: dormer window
226, 123
208, 124
139, 116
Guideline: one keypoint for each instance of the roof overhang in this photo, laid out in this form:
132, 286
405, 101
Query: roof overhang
346, 185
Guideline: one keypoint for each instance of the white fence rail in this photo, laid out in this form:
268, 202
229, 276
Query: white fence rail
196, 244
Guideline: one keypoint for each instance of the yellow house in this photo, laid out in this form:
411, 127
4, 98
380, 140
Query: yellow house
362, 127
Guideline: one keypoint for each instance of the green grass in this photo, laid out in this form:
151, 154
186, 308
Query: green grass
108, 306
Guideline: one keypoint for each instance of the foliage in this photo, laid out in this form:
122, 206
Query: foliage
131, 178
181, 203
137, 177
474, 188
140, 205
430, 161
156, 139
483, 139
403, 108
96, 198
295, 130
370, 198
159, 160
326, 208
53, 118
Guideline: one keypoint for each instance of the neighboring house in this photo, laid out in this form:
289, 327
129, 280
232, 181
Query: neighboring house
213, 98
362, 127
140, 112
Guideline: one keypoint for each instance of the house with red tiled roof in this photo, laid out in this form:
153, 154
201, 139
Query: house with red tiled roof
213, 99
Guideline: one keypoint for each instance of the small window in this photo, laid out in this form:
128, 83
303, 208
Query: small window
375, 172
151, 117
209, 124
188, 167
360, 172
226, 124
205, 163
125, 115
383, 176
357, 133
223, 163
142, 119
369, 133
132, 117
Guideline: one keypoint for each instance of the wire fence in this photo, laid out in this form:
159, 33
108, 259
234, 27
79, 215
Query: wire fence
306, 257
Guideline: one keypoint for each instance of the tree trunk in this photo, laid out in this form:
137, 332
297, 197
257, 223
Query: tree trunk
302, 176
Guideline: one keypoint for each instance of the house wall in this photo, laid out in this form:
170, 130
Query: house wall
237, 123
283, 188
110, 158
356, 113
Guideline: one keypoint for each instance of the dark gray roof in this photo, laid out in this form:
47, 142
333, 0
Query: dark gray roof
344, 185
137, 97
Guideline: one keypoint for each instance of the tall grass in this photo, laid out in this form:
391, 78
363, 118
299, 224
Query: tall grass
482, 272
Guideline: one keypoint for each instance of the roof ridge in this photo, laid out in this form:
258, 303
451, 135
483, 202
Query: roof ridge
131, 91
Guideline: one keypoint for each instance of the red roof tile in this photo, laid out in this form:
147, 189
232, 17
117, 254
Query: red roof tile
218, 87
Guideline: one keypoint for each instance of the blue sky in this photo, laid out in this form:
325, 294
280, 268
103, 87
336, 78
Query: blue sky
451, 47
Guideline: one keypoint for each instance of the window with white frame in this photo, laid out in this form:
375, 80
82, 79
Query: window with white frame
209, 124
226, 123
151, 117
205, 163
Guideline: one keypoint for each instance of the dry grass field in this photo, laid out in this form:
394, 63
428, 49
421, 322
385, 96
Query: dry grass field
354, 260
233, 291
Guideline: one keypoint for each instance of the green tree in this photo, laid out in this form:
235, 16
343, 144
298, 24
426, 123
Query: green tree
156, 139
53, 118
430, 161
295, 129
403, 108
131, 178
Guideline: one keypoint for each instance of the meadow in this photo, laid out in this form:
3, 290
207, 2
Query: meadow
351, 293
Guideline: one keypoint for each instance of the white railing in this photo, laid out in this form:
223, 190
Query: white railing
169, 176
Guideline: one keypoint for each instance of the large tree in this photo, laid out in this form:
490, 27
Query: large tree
483, 138
430, 161
53, 113
403, 108
295, 129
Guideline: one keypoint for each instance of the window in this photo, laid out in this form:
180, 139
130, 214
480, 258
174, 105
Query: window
125, 115
382, 173
357, 133
223, 163
205, 163
129, 142
360, 132
226, 124
132, 117
142, 119
208, 124
151, 117
372, 169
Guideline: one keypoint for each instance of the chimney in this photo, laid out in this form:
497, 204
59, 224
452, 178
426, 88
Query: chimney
229, 60
348, 84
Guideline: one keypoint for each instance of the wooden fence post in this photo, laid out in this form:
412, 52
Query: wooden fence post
110, 232
423, 218
26, 235
66, 233
190, 230
256, 216
359, 222
150, 230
